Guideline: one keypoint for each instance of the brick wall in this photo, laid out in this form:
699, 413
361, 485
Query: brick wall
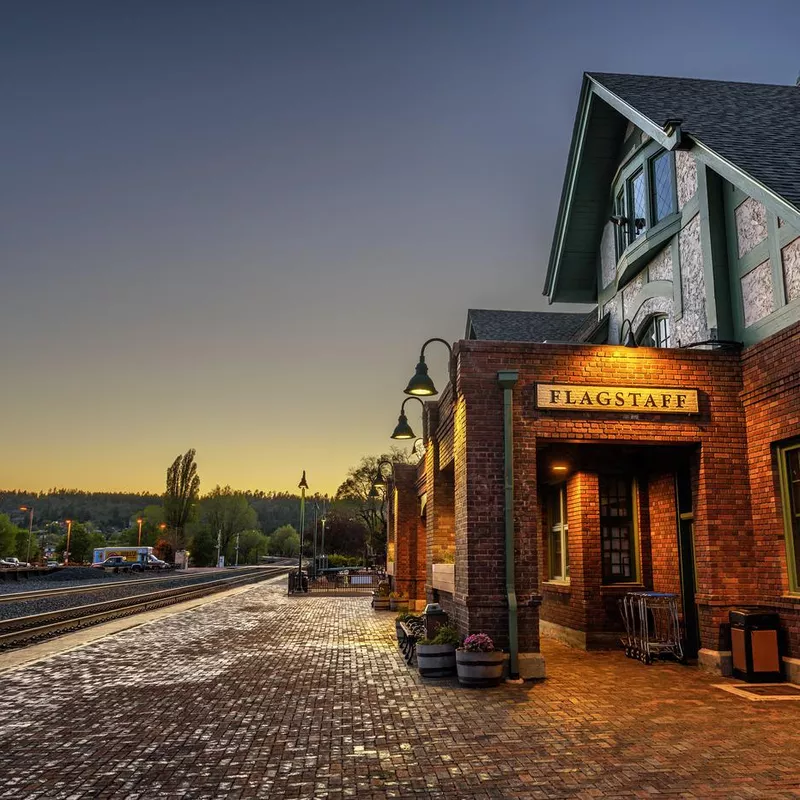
408, 534
771, 400
723, 529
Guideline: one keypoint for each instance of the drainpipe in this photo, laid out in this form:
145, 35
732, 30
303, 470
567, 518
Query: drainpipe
507, 381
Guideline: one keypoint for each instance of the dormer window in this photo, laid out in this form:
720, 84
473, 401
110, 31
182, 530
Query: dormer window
645, 195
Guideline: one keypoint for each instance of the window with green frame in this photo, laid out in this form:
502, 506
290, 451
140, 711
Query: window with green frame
789, 469
644, 195
558, 533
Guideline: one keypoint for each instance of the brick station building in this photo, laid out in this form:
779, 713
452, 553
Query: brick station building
673, 465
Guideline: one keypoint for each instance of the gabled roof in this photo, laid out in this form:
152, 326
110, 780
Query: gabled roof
749, 133
525, 326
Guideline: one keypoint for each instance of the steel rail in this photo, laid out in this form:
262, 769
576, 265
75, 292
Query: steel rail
49, 623
38, 594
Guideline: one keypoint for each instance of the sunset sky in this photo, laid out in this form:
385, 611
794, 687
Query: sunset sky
230, 225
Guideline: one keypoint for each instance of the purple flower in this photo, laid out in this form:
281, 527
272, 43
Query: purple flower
478, 643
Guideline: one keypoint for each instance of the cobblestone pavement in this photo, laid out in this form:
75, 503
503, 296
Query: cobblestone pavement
264, 696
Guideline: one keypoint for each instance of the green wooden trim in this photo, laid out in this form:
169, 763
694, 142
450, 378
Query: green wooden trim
568, 190
677, 285
715, 252
772, 323
649, 291
638, 253
637, 118
791, 563
690, 210
750, 260
776, 262
738, 177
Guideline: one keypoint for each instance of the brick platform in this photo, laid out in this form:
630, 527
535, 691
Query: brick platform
264, 696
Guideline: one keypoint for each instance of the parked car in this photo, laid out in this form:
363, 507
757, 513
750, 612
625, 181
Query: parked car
153, 562
119, 564
10, 561
53, 564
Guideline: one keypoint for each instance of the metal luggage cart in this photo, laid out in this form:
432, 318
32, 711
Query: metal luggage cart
651, 626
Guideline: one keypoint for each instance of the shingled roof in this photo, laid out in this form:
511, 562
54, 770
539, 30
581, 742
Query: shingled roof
525, 326
755, 126
748, 133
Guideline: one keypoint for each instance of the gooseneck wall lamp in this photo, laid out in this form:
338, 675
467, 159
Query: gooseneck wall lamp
421, 384
626, 336
403, 429
380, 481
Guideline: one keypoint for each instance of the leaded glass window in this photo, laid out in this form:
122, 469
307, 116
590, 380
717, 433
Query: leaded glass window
638, 204
662, 181
617, 533
656, 332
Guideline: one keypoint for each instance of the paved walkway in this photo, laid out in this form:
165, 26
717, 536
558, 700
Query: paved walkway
264, 696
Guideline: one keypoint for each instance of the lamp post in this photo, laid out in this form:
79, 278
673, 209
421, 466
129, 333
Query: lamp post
303, 485
29, 509
316, 511
322, 546
403, 430
420, 383
139, 542
69, 533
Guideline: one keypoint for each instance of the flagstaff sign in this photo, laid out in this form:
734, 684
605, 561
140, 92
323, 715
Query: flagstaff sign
626, 399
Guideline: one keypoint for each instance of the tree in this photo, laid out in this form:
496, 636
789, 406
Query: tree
183, 487
252, 545
227, 512
204, 547
285, 541
8, 536
81, 544
356, 489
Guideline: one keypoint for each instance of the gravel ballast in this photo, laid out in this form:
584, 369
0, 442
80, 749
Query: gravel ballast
125, 588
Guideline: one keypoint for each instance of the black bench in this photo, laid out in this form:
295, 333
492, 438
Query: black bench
410, 631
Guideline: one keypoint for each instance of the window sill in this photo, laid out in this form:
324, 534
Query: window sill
559, 587
642, 250
615, 588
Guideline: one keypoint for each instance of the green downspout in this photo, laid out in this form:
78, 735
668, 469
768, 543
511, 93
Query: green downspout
507, 381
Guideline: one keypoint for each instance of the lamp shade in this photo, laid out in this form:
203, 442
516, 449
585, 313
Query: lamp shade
403, 429
421, 384
379, 479
373, 493
303, 482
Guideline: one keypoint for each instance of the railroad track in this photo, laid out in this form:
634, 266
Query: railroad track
84, 588
35, 627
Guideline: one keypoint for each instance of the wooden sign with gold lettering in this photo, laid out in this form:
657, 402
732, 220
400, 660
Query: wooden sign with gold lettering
627, 399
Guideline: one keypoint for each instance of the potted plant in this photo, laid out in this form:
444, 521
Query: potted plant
437, 657
380, 598
478, 663
398, 601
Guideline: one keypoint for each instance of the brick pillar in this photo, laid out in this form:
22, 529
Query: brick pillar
409, 565
480, 591
440, 514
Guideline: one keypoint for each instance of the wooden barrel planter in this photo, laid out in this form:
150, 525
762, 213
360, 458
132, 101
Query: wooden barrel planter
397, 604
480, 669
380, 602
436, 660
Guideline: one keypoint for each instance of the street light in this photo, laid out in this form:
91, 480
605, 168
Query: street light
403, 429
30, 528
303, 485
69, 533
420, 383
139, 542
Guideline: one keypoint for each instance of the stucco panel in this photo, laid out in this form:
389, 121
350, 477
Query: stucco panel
686, 172
751, 225
693, 325
614, 309
660, 268
757, 298
631, 290
608, 255
790, 256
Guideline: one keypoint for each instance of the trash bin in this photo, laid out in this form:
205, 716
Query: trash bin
754, 645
